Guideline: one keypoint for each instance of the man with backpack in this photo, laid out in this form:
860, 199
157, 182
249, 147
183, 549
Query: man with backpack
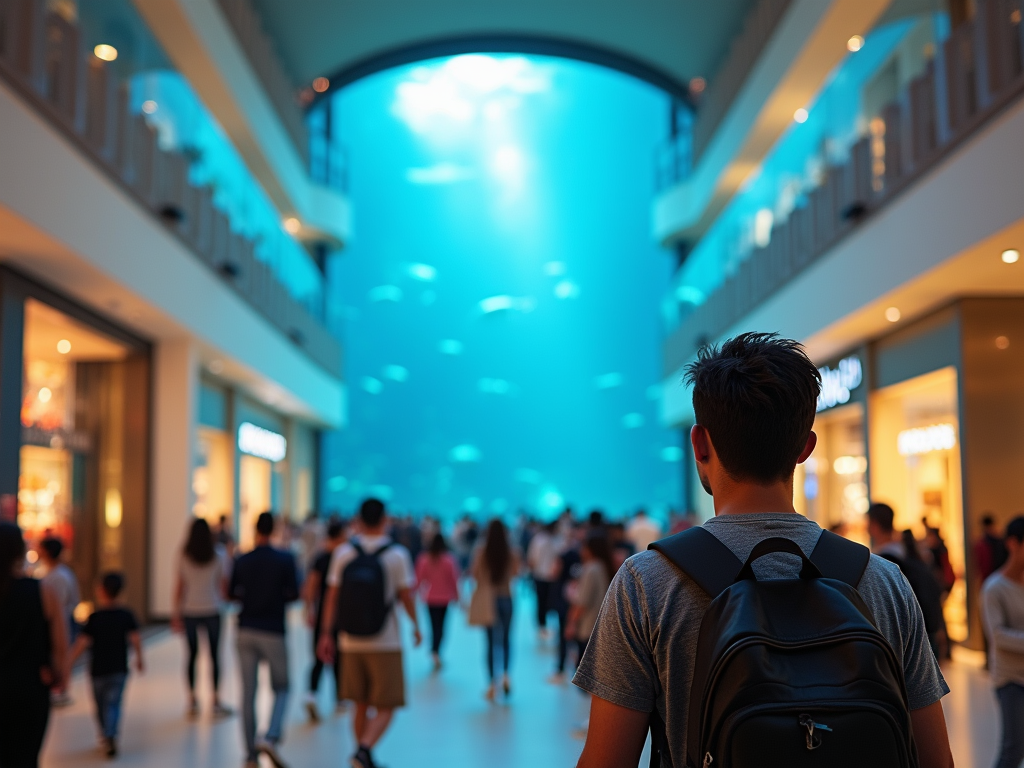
757, 639
369, 574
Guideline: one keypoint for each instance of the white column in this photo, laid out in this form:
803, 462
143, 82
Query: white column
175, 398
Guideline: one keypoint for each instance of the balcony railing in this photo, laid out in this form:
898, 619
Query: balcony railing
978, 70
41, 58
264, 59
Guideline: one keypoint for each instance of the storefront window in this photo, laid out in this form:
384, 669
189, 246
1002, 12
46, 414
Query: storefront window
82, 443
915, 467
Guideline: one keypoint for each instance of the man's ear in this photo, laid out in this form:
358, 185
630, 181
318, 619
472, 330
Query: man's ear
701, 442
805, 454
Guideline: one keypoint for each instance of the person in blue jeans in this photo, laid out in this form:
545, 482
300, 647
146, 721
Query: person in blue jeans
1003, 609
263, 581
107, 634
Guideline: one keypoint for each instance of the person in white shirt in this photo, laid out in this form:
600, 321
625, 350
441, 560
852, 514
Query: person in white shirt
542, 560
372, 674
643, 531
1003, 610
62, 580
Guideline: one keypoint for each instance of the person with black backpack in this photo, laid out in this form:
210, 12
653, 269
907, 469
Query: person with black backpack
368, 576
757, 639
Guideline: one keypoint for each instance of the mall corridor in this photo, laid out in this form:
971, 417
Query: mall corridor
447, 722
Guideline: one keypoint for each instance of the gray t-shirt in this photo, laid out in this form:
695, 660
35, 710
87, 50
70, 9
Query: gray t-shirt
1003, 611
641, 655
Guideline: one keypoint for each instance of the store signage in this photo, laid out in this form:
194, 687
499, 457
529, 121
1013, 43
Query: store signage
938, 437
260, 442
837, 383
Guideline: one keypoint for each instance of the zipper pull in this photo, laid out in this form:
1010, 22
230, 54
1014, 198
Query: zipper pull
708, 759
813, 742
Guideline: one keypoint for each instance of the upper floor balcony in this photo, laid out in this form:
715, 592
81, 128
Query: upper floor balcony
102, 79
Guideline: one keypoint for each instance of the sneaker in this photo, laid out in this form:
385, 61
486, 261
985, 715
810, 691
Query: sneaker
362, 759
506, 685
219, 710
311, 709
61, 700
111, 747
269, 749
557, 678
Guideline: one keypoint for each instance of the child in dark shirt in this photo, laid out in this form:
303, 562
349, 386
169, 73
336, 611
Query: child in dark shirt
108, 633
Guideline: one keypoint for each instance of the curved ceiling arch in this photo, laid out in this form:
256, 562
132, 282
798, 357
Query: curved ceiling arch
537, 45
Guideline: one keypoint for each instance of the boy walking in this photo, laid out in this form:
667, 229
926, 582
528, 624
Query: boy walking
368, 575
1003, 609
754, 400
108, 633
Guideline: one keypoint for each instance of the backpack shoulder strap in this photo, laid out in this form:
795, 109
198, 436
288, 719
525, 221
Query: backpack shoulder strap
840, 559
355, 545
381, 550
700, 555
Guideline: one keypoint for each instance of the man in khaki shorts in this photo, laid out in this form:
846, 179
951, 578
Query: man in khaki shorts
372, 673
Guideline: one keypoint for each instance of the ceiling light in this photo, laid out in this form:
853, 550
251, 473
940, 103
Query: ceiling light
855, 43
149, 106
45, 395
63, 346
800, 115
321, 84
1010, 256
892, 314
1002, 342
105, 52
292, 225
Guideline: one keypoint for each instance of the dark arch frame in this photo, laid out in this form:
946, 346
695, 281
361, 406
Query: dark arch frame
538, 45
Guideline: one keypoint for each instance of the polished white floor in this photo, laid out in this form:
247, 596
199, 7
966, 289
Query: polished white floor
448, 722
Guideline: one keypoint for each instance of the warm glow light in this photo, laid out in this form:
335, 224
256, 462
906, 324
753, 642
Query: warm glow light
321, 84
697, 85
45, 395
800, 115
260, 442
892, 314
1010, 256
112, 510
292, 225
1002, 342
149, 106
105, 52
855, 43
63, 346
938, 437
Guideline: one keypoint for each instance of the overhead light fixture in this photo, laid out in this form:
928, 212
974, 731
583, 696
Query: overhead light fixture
1010, 256
893, 315
321, 84
800, 115
63, 346
149, 106
105, 52
292, 225
1002, 342
45, 395
855, 43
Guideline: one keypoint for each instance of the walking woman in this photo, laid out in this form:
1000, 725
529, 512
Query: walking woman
437, 576
595, 578
495, 564
198, 596
33, 653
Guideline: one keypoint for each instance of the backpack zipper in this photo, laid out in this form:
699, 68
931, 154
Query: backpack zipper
708, 760
738, 646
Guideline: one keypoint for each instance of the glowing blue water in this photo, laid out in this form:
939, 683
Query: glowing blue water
499, 302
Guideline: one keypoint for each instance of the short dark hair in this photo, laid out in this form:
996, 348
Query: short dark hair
988, 520
371, 512
1015, 529
756, 395
265, 523
335, 528
52, 546
112, 583
882, 515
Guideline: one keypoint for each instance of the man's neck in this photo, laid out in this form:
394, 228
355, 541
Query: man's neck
373, 533
1014, 571
749, 498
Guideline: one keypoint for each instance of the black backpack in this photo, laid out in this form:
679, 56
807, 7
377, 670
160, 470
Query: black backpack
789, 672
362, 603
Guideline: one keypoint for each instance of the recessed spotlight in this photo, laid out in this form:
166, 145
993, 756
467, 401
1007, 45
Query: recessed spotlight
800, 115
855, 43
1010, 256
105, 52
892, 314
1002, 342
292, 225
149, 106
63, 346
45, 395
321, 84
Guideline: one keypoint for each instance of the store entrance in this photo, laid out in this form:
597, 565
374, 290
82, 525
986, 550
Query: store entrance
254, 495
